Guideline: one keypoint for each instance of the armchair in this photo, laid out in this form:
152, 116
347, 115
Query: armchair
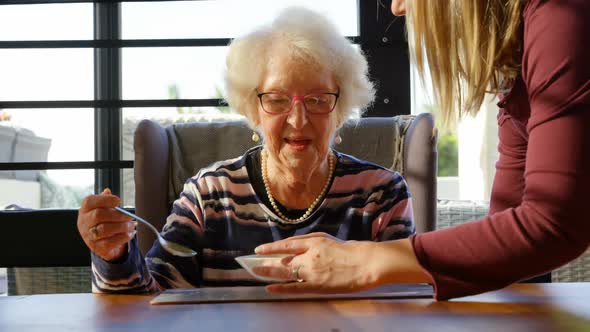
166, 157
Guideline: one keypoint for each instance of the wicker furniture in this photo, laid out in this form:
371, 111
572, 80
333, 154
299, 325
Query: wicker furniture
451, 213
49, 280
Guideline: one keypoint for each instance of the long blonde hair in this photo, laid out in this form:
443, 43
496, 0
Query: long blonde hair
470, 47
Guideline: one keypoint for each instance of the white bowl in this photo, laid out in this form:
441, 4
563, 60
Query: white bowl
250, 261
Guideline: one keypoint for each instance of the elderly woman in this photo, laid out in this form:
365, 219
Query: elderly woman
296, 81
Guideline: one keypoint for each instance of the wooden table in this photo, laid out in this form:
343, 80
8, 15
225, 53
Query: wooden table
523, 307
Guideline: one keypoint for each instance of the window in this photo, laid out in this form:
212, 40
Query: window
466, 150
31, 134
201, 19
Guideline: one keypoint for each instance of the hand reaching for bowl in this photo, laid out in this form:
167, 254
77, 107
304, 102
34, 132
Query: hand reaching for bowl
321, 264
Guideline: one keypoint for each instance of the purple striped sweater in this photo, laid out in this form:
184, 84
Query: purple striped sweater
220, 216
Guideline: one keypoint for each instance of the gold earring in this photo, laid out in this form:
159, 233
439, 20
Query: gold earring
255, 136
338, 139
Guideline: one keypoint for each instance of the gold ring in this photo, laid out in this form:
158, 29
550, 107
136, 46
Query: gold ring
295, 272
94, 232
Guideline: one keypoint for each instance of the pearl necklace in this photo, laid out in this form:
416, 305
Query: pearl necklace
313, 204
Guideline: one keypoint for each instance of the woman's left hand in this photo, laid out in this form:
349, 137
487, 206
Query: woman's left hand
322, 263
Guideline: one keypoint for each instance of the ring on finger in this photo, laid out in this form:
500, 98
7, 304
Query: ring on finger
295, 273
94, 232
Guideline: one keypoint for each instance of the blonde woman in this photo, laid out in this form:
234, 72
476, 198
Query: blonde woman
535, 54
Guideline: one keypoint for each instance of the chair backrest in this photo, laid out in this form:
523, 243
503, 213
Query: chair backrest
166, 157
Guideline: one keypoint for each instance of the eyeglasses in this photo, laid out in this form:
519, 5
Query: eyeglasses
315, 103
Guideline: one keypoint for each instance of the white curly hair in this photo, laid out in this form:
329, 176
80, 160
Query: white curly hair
308, 36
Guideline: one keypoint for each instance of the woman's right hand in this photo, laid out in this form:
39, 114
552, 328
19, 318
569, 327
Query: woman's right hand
105, 230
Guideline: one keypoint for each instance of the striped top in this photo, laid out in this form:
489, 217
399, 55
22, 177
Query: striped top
219, 215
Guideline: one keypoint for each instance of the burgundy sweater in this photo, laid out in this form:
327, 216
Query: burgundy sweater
539, 216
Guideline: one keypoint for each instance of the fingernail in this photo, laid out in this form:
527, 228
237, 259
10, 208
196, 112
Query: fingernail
107, 191
258, 249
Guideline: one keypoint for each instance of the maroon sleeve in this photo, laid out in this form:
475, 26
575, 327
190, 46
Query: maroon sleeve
549, 226
508, 187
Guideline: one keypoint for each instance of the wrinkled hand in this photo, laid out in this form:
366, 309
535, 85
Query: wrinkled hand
105, 230
324, 263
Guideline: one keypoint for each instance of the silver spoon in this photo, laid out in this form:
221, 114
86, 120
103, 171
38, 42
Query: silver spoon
171, 247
